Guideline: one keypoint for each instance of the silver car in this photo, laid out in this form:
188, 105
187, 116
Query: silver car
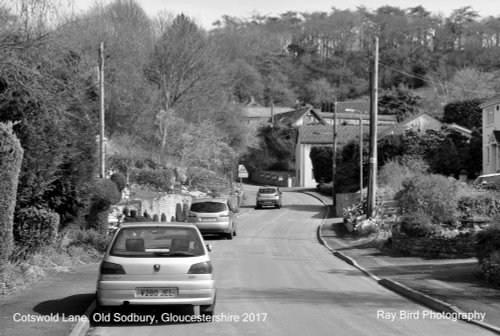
152, 263
214, 215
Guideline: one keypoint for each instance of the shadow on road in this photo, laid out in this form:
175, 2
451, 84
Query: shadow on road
71, 305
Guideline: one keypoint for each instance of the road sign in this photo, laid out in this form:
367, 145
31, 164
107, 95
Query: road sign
242, 172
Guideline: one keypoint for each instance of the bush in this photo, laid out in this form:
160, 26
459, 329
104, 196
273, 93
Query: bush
325, 189
157, 179
487, 244
119, 180
35, 228
179, 213
418, 224
105, 194
11, 155
434, 195
478, 204
397, 170
90, 238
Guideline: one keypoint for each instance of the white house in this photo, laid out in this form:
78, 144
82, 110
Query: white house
491, 135
322, 135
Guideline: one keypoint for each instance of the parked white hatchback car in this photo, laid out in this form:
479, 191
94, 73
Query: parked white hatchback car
152, 263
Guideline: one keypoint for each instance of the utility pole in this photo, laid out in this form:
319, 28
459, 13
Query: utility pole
360, 156
372, 178
102, 171
334, 158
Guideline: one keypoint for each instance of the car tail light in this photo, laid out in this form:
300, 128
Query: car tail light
201, 268
111, 268
224, 214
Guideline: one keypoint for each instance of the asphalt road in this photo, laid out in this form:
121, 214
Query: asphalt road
275, 278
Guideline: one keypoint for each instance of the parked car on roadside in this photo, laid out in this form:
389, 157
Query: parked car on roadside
488, 181
214, 215
151, 263
268, 196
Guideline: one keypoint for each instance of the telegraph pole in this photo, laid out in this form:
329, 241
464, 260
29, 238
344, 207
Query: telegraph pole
360, 156
372, 183
102, 171
334, 158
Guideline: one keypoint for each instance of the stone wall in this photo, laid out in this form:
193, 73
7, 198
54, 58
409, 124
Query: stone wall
164, 205
461, 246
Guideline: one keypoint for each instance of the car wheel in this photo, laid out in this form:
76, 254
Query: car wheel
229, 235
207, 310
277, 206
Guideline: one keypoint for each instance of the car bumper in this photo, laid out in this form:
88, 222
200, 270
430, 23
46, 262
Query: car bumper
213, 227
112, 293
267, 203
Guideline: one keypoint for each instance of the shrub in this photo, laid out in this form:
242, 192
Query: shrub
179, 213
478, 204
434, 195
90, 238
325, 189
119, 180
35, 228
418, 224
487, 244
11, 155
397, 170
368, 226
105, 194
163, 218
157, 179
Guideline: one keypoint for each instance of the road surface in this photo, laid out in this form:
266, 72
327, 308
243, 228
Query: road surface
275, 278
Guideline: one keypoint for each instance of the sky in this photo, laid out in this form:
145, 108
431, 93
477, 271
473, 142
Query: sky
205, 12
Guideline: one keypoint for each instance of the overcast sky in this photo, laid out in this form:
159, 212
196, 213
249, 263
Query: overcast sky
206, 12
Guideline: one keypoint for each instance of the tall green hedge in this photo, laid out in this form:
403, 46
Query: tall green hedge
11, 155
35, 228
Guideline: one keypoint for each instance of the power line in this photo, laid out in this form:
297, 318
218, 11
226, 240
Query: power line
428, 80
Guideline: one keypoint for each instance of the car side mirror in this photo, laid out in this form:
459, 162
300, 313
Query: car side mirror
236, 210
209, 247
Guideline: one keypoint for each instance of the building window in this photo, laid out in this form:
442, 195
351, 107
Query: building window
490, 116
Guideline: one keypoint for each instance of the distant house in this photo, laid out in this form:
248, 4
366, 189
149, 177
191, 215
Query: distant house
491, 135
306, 115
320, 135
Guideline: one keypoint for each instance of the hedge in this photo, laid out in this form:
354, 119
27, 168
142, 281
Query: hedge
11, 155
35, 228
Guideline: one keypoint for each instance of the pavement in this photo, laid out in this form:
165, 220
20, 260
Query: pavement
453, 286
64, 300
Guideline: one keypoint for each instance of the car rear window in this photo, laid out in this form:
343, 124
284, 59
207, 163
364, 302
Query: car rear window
208, 207
267, 191
157, 242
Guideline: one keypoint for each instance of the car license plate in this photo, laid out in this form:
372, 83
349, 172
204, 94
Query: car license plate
208, 219
156, 292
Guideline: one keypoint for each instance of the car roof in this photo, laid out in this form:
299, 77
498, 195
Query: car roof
157, 224
215, 199
489, 175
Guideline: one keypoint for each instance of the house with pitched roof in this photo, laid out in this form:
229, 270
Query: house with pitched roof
491, 135
320, 135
